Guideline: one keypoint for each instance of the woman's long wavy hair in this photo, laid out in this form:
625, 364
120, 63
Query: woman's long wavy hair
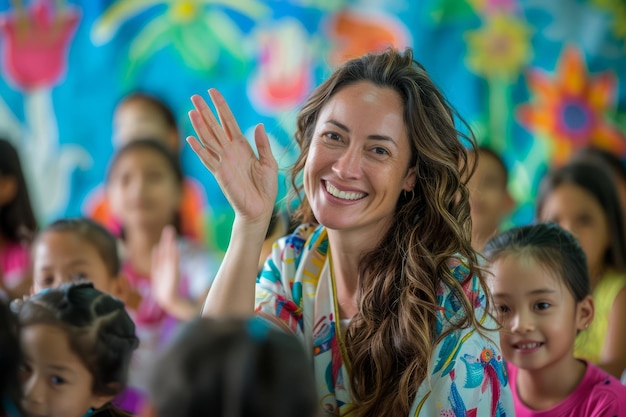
391, 340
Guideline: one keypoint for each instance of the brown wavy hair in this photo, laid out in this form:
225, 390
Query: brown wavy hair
398, 280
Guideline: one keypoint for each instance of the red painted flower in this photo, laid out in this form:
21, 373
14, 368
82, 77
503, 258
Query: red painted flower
35, 44
571, 109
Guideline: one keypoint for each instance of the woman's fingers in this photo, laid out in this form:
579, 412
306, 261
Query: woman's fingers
208, 158
227, 120
263, 145
213, 134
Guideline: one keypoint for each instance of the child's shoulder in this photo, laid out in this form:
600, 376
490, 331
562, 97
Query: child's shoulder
606, 394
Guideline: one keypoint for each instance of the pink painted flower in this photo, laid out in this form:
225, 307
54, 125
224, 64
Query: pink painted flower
36, 41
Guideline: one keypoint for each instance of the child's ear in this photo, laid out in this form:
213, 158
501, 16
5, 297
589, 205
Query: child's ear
8, 189
584, 313
508, 204
98, 401
121, 287
147, 411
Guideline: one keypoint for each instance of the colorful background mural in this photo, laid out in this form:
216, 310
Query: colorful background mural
536, 79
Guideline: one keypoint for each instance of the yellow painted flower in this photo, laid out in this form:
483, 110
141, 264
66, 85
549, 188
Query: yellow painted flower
500, 48
571, 109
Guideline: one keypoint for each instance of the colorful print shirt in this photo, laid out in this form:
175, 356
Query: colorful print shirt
295, 290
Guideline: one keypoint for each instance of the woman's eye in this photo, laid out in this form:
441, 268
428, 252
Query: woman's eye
380, 151
542, 306
332, 136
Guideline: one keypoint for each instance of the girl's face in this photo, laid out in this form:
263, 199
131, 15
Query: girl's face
55, 381
358, 162
143, 190
577, 211
60, 257
539, 316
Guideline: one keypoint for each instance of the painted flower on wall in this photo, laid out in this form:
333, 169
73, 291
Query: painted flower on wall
356, 32
198, 33
500, 48
36, 41
571, 110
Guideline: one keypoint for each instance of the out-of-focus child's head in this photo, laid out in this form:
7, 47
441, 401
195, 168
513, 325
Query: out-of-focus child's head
581, 197
17, 219
77, 344
608, 160
233, 367
490, 200
145, 185
143, 116
76, 250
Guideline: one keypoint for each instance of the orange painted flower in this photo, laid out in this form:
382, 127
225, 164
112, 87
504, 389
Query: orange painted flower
571, 109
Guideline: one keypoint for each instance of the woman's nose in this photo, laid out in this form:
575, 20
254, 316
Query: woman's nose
348, 165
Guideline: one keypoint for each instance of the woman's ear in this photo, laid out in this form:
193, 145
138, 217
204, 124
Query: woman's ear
409, 180
584, 313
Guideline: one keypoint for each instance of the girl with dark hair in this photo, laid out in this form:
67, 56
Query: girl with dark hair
380, 282
77, 250
144, 188
232, 368
77, 344
581, 198
17, 224
541, 290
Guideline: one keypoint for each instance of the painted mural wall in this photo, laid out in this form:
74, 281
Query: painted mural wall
536, 79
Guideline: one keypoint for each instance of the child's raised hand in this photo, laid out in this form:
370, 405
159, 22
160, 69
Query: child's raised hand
165, 271
249, 183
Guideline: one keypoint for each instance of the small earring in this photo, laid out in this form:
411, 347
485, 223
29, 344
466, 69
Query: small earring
406, 195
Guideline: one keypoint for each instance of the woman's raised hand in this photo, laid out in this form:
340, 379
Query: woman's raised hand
250, 183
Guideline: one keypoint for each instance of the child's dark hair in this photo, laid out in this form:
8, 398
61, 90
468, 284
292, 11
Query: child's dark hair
160, 148
603, 157
99, 330
10, 360
598, 182
233, 368
93, 232
156, 103
552, 247
17, 219
496, 157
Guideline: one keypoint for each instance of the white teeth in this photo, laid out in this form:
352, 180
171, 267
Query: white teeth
529, 345
334, 191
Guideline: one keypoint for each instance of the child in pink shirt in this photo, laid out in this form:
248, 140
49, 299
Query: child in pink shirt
541, 292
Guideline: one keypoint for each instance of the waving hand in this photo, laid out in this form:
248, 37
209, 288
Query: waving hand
250, 183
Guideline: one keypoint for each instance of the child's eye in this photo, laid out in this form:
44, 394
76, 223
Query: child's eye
502, 309
24, 368
57, 380
542, 306
79, 277
47, 282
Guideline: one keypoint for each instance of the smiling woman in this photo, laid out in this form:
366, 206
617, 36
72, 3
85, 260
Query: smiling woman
380, 281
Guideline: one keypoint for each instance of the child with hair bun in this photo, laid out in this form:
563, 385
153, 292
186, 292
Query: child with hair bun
77, 344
